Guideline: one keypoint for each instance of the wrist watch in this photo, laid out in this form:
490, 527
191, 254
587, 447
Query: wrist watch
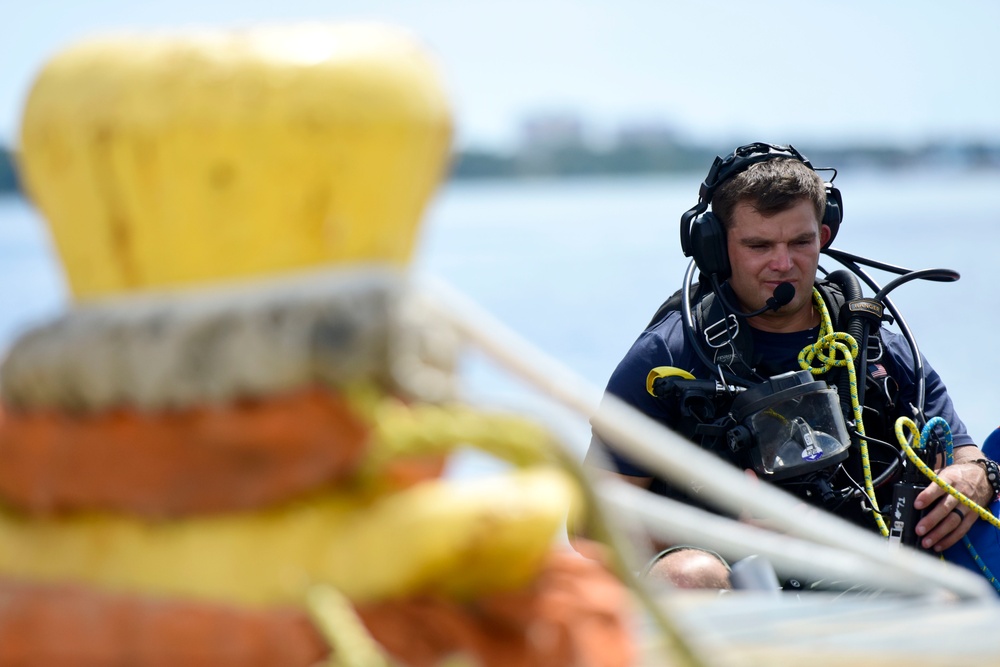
992, 471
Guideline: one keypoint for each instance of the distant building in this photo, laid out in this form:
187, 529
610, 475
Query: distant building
549, 131
646, 133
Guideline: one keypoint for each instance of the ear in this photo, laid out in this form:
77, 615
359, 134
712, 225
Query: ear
824, 235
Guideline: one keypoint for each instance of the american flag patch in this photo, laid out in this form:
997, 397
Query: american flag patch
877, 371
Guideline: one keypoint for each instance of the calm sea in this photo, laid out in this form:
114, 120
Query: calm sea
577, 267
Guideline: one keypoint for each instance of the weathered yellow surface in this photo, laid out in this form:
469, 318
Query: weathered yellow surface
165, 160
463, 539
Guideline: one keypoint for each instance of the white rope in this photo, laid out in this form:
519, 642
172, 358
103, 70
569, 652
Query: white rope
676, 522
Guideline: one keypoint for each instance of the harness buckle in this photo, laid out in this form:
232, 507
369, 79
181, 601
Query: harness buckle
875, 348
722, 333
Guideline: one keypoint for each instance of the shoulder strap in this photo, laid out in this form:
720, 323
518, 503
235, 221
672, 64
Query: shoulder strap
833, 295
673, 303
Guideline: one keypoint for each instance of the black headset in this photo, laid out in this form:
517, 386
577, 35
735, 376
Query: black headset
702, 235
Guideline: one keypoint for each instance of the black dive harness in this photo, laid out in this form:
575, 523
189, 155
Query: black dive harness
796, 429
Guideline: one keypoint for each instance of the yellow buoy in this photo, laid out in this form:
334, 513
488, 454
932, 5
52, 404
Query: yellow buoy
172, 160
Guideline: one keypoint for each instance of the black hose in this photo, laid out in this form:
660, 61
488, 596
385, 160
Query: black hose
858, 327
940, 275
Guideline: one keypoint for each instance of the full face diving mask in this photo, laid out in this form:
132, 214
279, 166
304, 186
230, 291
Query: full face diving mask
792, 425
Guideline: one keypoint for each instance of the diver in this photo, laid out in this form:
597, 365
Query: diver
721, 363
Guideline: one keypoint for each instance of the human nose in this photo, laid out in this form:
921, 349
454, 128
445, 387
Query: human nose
781, 258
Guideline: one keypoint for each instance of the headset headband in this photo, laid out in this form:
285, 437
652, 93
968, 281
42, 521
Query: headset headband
740, 160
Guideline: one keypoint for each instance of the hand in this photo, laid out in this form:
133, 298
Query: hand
947, 520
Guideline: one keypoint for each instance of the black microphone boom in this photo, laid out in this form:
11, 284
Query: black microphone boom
782, 295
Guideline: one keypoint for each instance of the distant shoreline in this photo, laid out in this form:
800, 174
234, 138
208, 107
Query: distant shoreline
662, 157
574, 159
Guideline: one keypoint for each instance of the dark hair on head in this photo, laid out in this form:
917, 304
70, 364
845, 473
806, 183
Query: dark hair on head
770, 187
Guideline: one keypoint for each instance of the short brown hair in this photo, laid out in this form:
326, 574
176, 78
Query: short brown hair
770, 187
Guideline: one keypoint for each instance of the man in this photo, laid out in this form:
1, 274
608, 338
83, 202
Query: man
771, 215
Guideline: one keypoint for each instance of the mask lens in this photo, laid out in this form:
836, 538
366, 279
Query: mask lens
799, 434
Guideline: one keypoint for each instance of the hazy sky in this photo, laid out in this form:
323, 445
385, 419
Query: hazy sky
775, 70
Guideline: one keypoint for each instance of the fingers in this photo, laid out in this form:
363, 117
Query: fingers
941, 527
964, 477
928, 496
945, 524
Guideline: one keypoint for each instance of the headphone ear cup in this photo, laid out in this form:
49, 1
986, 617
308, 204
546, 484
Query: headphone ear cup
708, 245
834, 212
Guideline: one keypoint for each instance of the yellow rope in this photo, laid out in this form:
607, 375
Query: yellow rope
829, 344
403, 429
952, 491
826, 350
931, 475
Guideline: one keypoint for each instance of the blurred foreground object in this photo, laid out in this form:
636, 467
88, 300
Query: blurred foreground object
185, 513
173, 159
229, 450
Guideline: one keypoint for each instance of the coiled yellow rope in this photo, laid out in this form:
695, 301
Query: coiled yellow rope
829, 344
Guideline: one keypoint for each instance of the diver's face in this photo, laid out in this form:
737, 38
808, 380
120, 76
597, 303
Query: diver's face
767, 251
